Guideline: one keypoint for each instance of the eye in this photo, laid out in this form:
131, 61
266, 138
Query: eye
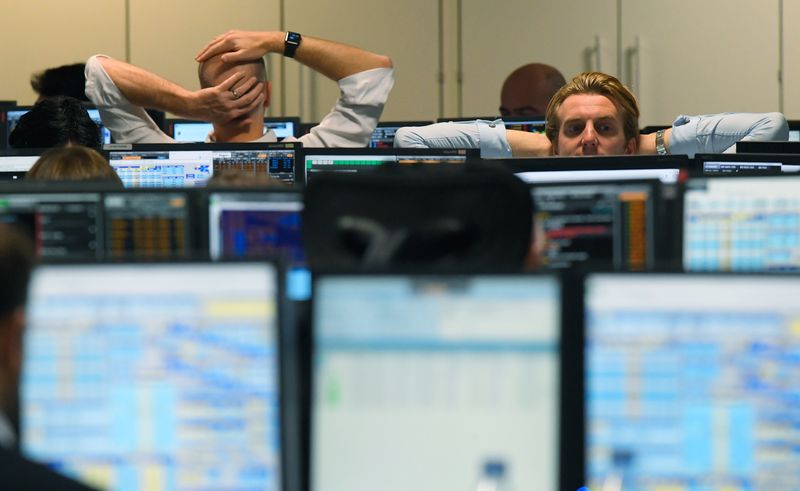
573, 129
605, 128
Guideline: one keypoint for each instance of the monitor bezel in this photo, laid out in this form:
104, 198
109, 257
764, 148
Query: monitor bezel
295, 146
663, 250
571, 440
289, 465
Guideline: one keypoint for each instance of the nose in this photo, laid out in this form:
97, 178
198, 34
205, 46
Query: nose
589, 139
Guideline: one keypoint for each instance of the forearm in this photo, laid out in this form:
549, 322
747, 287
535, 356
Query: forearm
647, 143
334, 60
146, 89
525, 144
489, 136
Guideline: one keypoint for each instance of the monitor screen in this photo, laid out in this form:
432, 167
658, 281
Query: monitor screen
666, 176
754, 158
170, 165
532, 124
690, 382
197, 131
63, 226
603, 223
742, 224
14, 166
355, 160
13, 115
155, 376
147, 225
260, 224
436, 383
665, 168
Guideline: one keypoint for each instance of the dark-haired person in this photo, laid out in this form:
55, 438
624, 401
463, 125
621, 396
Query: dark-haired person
54, 122
73, 163
64, 80
527, 90
595, 114
16, 471
235, 90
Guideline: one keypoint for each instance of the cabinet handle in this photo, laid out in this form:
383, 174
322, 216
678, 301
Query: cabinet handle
592, 56
633, 58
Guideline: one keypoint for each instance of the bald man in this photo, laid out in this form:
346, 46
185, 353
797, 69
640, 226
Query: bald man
235, 91
528, 89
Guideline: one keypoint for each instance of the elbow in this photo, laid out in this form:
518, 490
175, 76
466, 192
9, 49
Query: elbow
777, 128
385, 62
406, 137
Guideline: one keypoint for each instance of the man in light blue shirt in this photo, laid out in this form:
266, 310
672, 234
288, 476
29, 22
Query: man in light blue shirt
595, 114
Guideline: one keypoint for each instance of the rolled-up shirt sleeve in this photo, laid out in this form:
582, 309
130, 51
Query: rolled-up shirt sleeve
128, 123
355, 115
488, 136
718, 133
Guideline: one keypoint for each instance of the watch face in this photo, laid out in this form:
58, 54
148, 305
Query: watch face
292, 37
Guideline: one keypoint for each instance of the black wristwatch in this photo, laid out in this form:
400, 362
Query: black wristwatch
290, 43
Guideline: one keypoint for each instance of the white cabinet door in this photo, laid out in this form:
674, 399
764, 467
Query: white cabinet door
406, 31
39, 34
791, 59
701, 56
166, 36
499, 36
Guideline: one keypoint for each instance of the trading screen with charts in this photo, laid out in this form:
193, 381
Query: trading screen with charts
192, 168
742, 224
691, 382
165, 378
428, 383
148, 225
601, 223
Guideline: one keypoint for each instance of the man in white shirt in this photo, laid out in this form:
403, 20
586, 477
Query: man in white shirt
595, 114
235, 91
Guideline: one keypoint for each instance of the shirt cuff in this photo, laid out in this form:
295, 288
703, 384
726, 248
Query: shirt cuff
493, 140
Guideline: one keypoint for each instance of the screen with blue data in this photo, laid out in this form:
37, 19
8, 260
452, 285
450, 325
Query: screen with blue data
691, 382
429, 383
155, 376
258, 225
197, 131
742, 224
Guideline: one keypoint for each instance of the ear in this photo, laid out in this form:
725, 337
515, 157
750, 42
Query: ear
632, 147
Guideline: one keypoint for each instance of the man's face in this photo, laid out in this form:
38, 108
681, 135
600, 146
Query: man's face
522, 101
591, 125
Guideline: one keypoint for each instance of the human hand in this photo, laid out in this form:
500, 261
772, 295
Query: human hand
235, 97
237, 46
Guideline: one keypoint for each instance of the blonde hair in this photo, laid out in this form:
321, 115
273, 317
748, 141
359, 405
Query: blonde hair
600, 84
72, 163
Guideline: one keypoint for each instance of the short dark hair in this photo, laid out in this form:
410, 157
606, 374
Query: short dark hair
17, 259
67, 80
55, 122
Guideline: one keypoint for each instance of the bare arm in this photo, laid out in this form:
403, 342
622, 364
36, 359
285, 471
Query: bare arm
216, 104
647, 143
525, 144
332, 59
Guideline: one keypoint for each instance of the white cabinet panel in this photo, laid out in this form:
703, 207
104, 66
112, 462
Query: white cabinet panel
406, 31
39, 34
503, 35
699, 56
791, 59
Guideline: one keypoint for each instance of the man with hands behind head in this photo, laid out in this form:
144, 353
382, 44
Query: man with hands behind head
235, 90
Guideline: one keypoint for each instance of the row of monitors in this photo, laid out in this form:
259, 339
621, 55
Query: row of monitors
725, 223
192, 165
10, 116
179, 376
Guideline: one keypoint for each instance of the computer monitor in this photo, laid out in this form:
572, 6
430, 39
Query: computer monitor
65, 223
187, 130
742, 224
14, 113
665, 168
531, 124
383, 135
257, 224
763, 162
433, 383
191, 165
155, 376
148, 224
603, 223
352, 160
794, 130
15, 163
791, 147
689, 381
